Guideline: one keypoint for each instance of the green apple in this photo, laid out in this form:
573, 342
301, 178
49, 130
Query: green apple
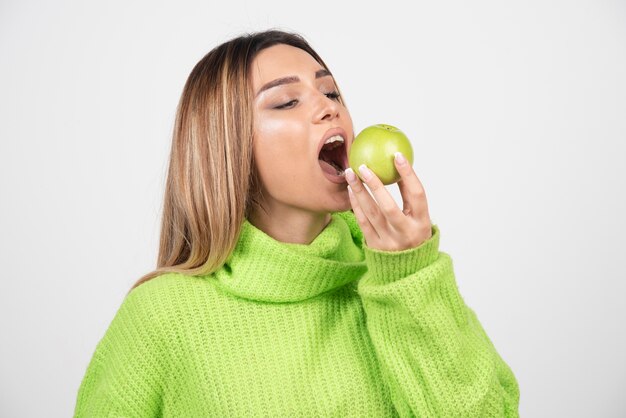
375, 146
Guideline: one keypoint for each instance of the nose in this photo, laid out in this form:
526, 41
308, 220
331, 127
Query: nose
328, 109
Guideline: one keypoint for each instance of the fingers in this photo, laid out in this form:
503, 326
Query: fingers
384, 225
382, 215
369, 232
413, 194
386, 204
369, 216
382, 212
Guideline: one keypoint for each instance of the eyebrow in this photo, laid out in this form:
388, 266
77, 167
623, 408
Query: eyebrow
291, 79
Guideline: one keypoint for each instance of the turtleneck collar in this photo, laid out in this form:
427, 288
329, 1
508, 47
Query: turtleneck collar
264, 269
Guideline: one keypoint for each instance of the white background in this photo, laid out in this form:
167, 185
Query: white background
516, 111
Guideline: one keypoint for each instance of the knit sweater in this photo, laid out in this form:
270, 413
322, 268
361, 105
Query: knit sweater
328, 329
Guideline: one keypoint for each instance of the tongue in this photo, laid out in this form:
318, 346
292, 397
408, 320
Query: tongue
327, 167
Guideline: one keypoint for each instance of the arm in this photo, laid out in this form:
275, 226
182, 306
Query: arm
126, 372
435, 356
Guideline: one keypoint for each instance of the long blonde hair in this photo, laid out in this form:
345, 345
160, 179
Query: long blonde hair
212, 182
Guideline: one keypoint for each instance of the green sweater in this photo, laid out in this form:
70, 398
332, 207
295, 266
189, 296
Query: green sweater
329, 329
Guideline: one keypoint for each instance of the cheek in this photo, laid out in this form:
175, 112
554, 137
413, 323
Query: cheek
278, 125
281, 150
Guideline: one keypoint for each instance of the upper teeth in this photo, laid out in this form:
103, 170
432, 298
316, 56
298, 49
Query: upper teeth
333, 139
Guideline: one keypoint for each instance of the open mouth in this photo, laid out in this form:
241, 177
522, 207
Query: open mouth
333, 157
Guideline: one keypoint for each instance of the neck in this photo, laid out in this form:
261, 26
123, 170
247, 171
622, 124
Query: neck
288, 224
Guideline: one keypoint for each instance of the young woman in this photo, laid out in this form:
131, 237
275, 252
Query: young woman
282, 288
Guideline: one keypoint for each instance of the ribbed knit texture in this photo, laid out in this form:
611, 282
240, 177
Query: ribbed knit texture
329, 329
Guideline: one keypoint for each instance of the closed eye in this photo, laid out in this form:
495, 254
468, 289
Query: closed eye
286, 105
332, 95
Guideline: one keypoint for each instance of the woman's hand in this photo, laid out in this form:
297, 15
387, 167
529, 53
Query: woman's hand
386, 227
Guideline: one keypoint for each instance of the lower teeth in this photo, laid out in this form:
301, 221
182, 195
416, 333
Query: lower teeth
340, 171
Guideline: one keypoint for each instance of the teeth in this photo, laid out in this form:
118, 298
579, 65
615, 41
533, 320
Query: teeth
333, 139
340, 171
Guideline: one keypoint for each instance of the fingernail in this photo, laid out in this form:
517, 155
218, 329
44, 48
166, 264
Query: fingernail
400, 158
365, 172
350, 176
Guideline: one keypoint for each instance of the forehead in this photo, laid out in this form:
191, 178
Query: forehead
280, 61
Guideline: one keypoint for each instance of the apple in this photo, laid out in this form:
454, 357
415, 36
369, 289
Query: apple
375, 147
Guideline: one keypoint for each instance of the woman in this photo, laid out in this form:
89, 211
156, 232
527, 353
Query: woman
280, 292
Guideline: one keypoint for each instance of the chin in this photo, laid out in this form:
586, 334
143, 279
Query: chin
342, 202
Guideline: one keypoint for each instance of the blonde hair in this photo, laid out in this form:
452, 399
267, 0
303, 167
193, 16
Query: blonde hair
212, 182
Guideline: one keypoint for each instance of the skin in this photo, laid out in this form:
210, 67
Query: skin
297, 198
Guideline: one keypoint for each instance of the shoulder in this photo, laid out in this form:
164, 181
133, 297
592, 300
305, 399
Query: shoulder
165, 284
162, 302
172, 290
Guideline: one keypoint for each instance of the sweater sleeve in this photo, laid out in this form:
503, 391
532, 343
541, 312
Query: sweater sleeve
434, 354
125, 375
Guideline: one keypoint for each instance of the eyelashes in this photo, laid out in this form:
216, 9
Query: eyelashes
286, 105
332, 95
